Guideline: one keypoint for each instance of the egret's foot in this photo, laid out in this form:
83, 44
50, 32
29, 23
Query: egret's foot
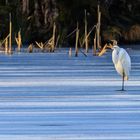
121, 90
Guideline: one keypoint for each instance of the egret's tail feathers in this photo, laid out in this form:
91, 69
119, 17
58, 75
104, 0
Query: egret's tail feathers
126, 78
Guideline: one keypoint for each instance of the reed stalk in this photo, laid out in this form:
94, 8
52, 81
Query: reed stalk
95, 45
76, 42
30, 48
40, 45
70, 52
53, 37
6, 45
19, 41
98, 28
86, 36
10, 35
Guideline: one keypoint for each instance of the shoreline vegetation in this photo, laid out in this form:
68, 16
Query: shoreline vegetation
86, 25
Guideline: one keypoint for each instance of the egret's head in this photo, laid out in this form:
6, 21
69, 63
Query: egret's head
112, 44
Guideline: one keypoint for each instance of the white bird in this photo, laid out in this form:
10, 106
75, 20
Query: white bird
122, 63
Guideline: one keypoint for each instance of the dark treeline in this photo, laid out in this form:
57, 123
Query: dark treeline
120, 19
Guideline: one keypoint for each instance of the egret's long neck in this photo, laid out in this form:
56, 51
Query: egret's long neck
115, 55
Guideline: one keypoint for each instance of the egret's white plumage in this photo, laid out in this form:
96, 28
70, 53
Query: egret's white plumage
122, 62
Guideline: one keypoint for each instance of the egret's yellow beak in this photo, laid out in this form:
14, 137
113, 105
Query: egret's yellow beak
110, 46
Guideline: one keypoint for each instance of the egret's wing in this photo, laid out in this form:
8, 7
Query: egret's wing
125, 60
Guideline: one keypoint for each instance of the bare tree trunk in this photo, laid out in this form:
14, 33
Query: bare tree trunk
50, 12
36, 14
6, 2
25, 6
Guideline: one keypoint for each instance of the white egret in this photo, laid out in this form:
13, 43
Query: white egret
122, 63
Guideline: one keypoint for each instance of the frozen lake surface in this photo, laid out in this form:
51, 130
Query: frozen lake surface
54, 97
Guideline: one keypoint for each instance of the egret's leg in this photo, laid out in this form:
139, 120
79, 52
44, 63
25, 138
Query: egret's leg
123, 82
